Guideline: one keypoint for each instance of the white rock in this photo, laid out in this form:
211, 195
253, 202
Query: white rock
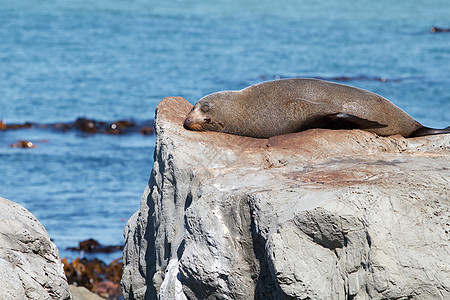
30, 267
319, 214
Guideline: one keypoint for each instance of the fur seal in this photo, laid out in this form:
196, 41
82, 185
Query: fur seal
291, 105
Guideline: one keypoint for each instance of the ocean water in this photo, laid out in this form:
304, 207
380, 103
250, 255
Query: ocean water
116, 59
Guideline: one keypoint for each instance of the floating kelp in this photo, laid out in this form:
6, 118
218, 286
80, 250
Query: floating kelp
92, 246
89, 126
95, 275
4, 126
359, 78
337, 78
439, 29
23, 144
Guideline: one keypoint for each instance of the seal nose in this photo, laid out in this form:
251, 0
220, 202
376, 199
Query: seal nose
188, 122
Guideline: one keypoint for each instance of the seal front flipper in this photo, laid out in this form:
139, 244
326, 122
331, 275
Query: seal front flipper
345, 121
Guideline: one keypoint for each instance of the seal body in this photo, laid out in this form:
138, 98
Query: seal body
292, 105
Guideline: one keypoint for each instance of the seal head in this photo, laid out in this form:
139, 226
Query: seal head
202, 116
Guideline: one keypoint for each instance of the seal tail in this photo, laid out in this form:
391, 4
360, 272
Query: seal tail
423, 131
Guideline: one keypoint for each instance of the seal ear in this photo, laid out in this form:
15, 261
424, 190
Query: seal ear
345, 121
204, 108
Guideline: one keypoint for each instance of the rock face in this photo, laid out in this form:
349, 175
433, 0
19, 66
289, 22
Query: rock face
319, 214
30, 267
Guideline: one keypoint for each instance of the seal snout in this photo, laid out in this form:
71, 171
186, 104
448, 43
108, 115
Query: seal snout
194, 120
188, 122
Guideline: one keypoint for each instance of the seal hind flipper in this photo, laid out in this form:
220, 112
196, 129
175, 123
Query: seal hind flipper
429, 131
345, 121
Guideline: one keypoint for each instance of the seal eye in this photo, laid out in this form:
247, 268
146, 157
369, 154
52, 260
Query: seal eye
207, 120
205, 108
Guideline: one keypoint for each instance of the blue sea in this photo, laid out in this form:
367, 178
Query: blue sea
115, 59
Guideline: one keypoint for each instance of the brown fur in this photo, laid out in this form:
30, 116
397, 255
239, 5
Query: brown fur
291, 105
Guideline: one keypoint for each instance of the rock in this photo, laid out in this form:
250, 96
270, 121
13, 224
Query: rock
82, 293
319, 214
30, 267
